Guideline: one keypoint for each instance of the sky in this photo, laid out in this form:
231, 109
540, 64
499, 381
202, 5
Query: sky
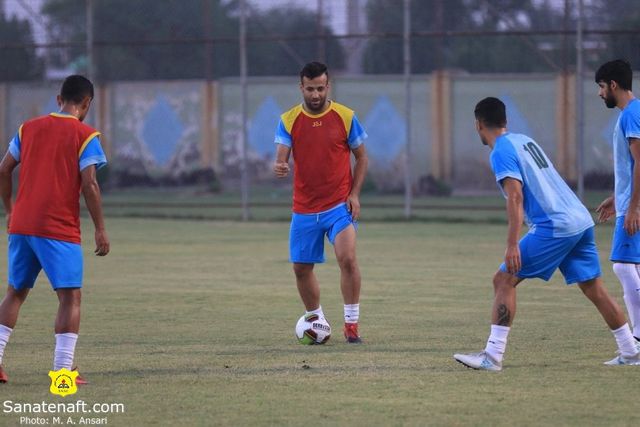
334, 10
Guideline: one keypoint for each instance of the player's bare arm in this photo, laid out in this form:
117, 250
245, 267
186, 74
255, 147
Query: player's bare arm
93, 200
606, 209
7, 166
632, 217
359, 173
281, 165
515, 215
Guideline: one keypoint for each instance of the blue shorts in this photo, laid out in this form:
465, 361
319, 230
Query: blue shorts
576, 256
306, 236
625, 248
61, 262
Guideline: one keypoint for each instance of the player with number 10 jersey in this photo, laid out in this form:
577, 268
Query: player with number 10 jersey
560, 237
551, 207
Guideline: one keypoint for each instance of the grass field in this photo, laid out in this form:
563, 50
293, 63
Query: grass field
274, 204
191, 323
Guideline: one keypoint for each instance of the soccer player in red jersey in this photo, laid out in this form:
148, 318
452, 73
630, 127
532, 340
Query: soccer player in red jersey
322, 134
58, 156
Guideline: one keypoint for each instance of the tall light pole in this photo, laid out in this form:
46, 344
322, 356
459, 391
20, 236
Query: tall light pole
244, 168
406, 41
90, 52
579, 105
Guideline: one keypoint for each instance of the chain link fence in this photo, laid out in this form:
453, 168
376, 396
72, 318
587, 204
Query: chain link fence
170, 91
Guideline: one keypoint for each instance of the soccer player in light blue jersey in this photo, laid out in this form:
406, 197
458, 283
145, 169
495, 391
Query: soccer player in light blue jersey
560, 236
614, 80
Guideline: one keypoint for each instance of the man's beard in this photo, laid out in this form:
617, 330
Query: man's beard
316, 108
610, 102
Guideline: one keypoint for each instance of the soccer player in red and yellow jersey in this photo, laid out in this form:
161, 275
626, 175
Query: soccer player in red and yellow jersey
58, 157
322, 134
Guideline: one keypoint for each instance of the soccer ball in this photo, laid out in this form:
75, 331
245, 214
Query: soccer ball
312, 329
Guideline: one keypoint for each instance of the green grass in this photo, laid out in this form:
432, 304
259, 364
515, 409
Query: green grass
191, 323
274, 204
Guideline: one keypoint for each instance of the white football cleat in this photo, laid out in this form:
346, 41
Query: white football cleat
479, 360
624, 360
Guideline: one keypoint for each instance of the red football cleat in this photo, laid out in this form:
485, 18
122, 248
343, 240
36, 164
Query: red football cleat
351, 333
79, 379
3, 376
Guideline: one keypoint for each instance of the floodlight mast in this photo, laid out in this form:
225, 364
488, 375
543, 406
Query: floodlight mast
244, 168
580, 104
408, 195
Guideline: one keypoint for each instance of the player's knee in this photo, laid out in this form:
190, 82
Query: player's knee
592, 289
302, 270
348, 262
17, 296
501, 281
497, 280
622, 270
70, 297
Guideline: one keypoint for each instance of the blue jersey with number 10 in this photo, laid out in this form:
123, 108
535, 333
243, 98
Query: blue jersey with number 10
551, 207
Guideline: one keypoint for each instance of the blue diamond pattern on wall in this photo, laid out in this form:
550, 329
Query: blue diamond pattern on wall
162, 131
387, 131
263, 127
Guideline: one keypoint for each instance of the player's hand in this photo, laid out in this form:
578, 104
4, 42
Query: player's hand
353, 205
512, 259
281, 169
606, 209
102, 243
632, 221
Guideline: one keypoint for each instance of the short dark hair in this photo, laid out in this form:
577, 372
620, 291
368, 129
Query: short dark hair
618, 70
491, 112
314, 69
76, 88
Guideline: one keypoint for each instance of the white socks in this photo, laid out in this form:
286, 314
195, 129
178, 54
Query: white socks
317, 311
351, 313
629, 277
65, 348
626, 342
497, 342
63, 355
5, 333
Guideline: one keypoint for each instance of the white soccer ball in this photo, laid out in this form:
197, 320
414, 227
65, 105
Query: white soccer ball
312, 329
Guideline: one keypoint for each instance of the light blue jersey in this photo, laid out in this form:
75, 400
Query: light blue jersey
550, 207
628, 126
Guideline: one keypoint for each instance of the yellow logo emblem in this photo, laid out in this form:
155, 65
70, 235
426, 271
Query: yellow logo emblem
63, 382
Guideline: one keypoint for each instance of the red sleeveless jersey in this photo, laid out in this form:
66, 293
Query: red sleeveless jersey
48, 200
321, 157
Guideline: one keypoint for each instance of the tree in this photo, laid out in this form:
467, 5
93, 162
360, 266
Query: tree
19, 61
147, 39
474, 53
622, 15
286, 57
